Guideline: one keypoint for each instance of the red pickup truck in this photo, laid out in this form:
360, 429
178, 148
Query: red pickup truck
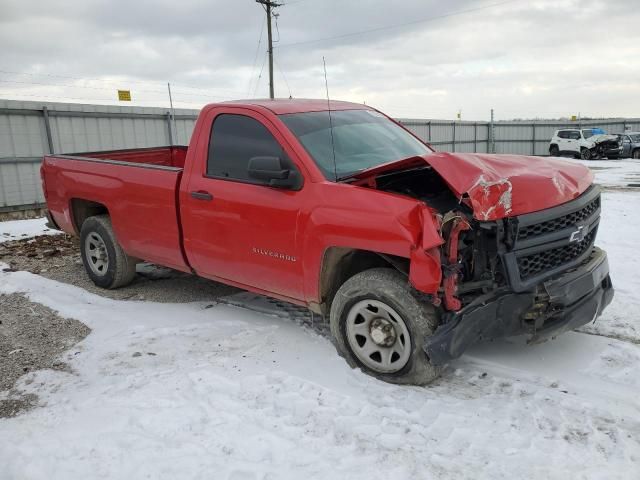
412, 254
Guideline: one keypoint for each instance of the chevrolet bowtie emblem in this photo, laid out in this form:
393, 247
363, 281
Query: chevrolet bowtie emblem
579, 234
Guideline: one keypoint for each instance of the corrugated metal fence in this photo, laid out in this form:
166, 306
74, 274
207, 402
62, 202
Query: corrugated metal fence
29, 130
517, 137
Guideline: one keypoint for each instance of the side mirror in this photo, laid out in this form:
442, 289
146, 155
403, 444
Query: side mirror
272, 171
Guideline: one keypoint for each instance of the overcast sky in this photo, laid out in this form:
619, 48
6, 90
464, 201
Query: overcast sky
540, 58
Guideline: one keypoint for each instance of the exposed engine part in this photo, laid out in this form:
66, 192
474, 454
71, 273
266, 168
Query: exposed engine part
452, 267
422, 183
471, 261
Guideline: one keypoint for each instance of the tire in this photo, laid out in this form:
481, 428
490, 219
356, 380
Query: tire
636, 154
554, 151
106, 263
383, 294
585, 154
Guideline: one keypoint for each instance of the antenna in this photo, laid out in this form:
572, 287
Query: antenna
333, 145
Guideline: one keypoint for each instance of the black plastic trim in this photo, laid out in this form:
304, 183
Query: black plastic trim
574, 299
549, 241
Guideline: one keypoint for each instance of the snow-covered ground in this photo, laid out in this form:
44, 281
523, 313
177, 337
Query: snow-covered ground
613, 173
18, 229
218, 392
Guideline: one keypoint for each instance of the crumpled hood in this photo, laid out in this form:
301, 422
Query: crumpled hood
602, 137
497, 186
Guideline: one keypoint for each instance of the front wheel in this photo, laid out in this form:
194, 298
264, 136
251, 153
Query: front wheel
379, 326
636, 154
106, 263
586, 154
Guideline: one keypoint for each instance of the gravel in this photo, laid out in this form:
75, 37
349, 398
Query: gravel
33, 337
58, 258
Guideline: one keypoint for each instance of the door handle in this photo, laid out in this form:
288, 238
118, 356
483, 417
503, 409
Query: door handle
202, 195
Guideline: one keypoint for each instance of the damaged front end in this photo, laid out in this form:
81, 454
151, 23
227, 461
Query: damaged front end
537, 274
507, 268
603, 146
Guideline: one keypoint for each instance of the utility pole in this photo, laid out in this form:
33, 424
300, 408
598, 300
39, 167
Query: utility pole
173, 113
268, 5
492, 148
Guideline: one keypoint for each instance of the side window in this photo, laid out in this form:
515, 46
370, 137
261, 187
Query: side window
563, 134
234, 140
574, 135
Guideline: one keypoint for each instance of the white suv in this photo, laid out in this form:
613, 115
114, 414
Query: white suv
586, 143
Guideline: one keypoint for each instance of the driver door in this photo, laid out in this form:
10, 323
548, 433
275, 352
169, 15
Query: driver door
236, 228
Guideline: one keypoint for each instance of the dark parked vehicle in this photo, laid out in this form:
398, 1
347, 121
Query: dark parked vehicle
630, 142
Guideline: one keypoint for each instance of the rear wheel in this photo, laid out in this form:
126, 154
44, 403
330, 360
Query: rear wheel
586, 154
106, 263
379, 326
554, 151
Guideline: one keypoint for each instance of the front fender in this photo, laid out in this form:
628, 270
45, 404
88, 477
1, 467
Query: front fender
388, 224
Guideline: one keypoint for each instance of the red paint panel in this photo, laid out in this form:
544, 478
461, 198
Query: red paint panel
293, 105
507, 185
165, 156
141, 202
425, 273
501, 186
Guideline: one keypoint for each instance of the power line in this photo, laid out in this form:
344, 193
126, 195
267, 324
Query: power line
398, 25
61, 85
84, 99
255, 58
260, 75
115, 82
111, 101
285, 79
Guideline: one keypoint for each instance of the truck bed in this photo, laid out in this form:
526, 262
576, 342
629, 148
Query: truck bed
137, 187
162, 156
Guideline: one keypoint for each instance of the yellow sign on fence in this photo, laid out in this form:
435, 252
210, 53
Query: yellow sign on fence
124, 95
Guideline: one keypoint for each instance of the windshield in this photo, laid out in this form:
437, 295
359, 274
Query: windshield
362, 139
587, 133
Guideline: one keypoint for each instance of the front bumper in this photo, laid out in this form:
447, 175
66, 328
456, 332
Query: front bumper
560, 304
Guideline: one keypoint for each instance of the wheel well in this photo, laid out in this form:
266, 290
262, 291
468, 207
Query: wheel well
339, 264
82, 209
